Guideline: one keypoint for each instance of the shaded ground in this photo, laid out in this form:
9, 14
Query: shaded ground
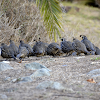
71, 72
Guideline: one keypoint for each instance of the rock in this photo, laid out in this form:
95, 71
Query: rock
94, 73
34, 66
40, 73
7, 62
95, 63
3, 97
79, 57
50, 84
14, 80
7, 79
26, 79
4, 66
98, 83
23, 79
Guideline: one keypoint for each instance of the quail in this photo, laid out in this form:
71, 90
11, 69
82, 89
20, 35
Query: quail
79, 47
23, 52
87, 43
66, 47
28, 47
54, 49
97, 51
40, 48
13, 47
7, 52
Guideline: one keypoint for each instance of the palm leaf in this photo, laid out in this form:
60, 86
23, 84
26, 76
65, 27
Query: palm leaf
50, 10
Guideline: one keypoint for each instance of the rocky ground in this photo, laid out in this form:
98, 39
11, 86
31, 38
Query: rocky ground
71, 72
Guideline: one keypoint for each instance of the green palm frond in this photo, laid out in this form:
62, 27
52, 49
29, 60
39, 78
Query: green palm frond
50, 10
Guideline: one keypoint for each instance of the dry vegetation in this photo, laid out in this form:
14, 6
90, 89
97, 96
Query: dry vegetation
20, 19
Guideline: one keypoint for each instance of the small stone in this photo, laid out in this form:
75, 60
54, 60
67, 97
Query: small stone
35, 66
3, 97
94, 73
95, 63
50, 84
4, 66
26, 79
7, 79
23, 79
98, 83
40, 73
7, 62
14, 80
79, 57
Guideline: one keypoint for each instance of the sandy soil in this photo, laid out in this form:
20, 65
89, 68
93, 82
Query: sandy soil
71, 72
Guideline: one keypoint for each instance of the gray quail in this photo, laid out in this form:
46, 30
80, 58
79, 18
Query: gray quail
87, 43
66, 47
97, 51
54, 49
79, 47
28, 47
7, 52
13, 47
40, 49
23, 52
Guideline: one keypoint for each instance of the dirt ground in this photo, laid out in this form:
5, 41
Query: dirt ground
71, 72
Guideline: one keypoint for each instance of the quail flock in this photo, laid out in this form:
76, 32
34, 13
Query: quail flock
40, 48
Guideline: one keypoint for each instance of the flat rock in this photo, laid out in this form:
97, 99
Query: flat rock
7, 79
26, 79
94, 73
34, 66
4, 66
40, 73
95, 63
3, 97
7, 62
23, 79
79, 57
51, 85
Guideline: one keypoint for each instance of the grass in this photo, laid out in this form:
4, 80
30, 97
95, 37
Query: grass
95, 59
85, 22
